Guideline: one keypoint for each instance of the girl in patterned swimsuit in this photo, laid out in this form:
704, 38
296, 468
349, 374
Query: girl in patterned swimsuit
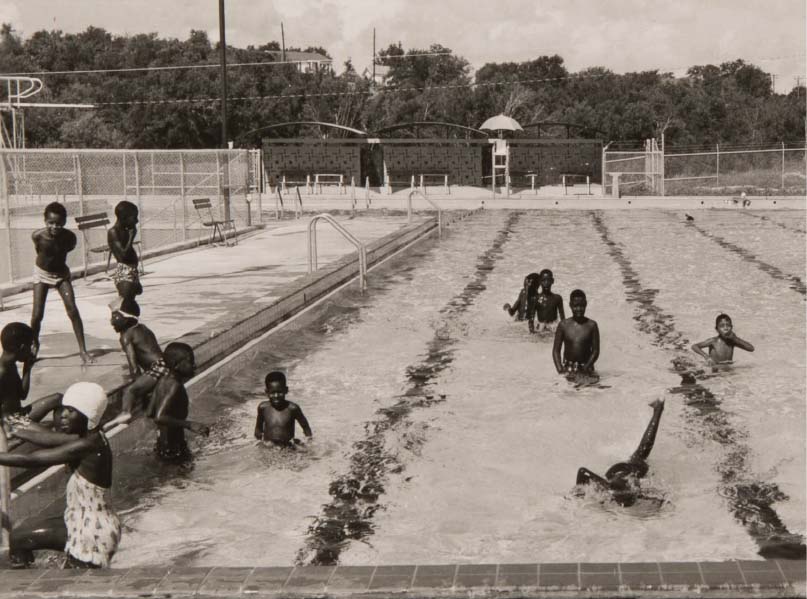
89, 531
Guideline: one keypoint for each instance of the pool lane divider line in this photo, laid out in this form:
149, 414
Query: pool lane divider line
772, 221
795, 283
750, 502
356, 494
49, 480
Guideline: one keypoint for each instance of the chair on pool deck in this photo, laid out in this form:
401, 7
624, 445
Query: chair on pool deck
100, 219
204, 210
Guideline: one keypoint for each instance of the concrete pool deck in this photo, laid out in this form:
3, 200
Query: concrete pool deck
196, 295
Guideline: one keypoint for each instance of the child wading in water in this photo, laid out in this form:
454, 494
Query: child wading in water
169, 405
579, 337
524, 306
52, 244
548, 305
89, 531
721, 348
276, 417
120, 238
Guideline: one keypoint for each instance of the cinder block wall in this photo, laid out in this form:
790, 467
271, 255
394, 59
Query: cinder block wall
462, 162
549, 161
307, 159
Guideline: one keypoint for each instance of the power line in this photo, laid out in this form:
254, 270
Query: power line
166, 68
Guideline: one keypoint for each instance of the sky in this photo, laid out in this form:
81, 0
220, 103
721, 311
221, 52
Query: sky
622, 35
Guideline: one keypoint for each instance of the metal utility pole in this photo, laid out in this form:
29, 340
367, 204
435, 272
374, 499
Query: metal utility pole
373, 55
223, 63
282, 43
224, 137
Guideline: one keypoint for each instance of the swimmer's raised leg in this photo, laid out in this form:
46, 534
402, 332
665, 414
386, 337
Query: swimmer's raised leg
649, 438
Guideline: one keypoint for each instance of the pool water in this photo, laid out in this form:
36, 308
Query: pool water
443, 434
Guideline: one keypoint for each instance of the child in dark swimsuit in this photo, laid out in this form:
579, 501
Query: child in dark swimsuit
276, 417
548, 305
621, 479
579, 337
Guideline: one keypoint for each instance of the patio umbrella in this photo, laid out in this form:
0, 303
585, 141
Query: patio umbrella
501, 123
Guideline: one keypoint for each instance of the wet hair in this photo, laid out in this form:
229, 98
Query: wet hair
15, 336
128, 320
125, 208
275, 377
175, 352
546, 271
56, 208
720, 317
577, 293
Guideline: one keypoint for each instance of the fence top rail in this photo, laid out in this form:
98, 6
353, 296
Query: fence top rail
777, 150
19, 151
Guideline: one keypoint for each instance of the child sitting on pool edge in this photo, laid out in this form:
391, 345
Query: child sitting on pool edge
276, 417
721, 348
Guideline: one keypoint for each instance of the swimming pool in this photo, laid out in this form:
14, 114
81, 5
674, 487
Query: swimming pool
442, 433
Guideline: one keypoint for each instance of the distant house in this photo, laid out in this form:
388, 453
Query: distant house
307, 62
381, 74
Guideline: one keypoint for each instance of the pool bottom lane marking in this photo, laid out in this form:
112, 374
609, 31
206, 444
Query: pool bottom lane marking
795, 283
750, 501
356, 494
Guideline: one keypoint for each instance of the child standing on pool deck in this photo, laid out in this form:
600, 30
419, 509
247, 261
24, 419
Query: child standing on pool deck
169, 405
276, 417
120, 239
52, 244
548, 305
721, 348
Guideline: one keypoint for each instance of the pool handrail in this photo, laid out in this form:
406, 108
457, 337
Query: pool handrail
430, 201
312, 246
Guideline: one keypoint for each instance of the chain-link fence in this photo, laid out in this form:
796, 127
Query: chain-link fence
161, 183
721, 170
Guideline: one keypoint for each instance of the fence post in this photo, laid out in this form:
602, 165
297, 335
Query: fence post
783, 167
367, 191
80, 193
717, 173
663, 165
218, 179
7, 215
139, 200
124, 175
246, 187
604, 174
353, 194
181, 199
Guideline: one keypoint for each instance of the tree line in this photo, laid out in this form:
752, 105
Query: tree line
730, 103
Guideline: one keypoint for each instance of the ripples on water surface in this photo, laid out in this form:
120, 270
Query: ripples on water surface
443, 435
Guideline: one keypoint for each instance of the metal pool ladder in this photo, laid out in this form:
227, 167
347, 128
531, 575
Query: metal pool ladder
312, 246
430, 201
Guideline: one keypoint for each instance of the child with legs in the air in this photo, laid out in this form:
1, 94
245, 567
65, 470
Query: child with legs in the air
276, 417
143, 355
721, 348
169, 405
52, 244
548, 305
121, 237
622, 479
524, 306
